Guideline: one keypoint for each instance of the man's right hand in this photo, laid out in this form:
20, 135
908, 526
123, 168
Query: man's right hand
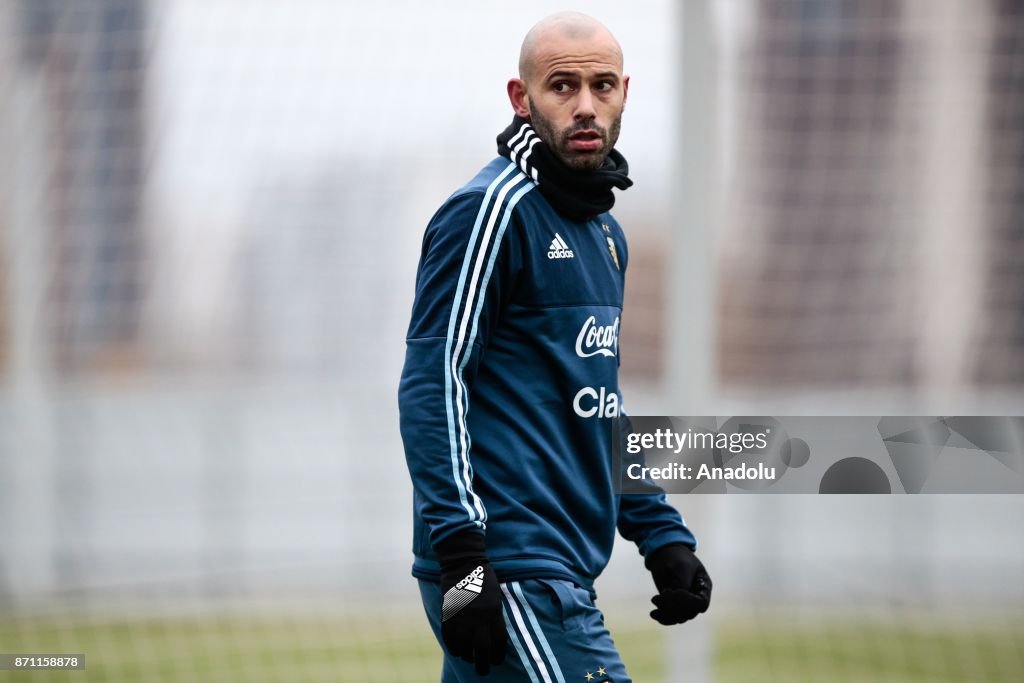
472, 625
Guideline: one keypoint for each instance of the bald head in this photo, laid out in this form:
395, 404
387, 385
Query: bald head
552, 32
571, 88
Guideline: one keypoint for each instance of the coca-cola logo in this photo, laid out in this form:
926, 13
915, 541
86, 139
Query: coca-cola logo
597, 340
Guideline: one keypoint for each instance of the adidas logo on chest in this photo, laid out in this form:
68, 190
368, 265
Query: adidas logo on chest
559, 249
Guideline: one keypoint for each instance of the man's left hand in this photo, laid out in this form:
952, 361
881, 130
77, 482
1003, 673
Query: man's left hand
684, 587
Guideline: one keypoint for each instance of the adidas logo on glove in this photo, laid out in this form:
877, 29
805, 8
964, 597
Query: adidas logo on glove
559, 249
462, 593
474, 582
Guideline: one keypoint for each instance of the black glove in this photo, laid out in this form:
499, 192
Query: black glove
472, 626
684, 587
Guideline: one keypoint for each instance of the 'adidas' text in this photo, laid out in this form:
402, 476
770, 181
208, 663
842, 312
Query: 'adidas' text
559, 249
474, 581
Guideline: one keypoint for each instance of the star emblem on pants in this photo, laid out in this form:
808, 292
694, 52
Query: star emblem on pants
590, 676
600, 671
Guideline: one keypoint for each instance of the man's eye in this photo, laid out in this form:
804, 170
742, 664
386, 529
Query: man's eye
562, 86
605, 86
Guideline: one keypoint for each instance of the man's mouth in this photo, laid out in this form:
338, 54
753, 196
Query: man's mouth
585, 141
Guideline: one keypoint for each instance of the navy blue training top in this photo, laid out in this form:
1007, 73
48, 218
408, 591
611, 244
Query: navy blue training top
510, 383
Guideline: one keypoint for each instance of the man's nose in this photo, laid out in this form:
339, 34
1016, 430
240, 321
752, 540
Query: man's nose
584, 105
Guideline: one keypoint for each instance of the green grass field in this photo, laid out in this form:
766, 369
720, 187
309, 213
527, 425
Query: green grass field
317, 648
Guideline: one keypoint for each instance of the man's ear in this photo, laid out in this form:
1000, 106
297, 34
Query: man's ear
518, 97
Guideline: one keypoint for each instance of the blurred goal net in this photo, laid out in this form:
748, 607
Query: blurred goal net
871, 232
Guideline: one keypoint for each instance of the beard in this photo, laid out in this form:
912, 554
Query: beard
558, 141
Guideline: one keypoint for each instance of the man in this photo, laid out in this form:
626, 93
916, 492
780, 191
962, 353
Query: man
510, 386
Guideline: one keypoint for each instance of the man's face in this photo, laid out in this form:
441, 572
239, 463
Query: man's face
576, 96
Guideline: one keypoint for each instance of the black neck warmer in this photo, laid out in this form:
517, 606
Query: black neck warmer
578, 195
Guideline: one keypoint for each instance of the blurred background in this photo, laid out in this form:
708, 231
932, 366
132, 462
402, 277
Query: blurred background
210, 218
